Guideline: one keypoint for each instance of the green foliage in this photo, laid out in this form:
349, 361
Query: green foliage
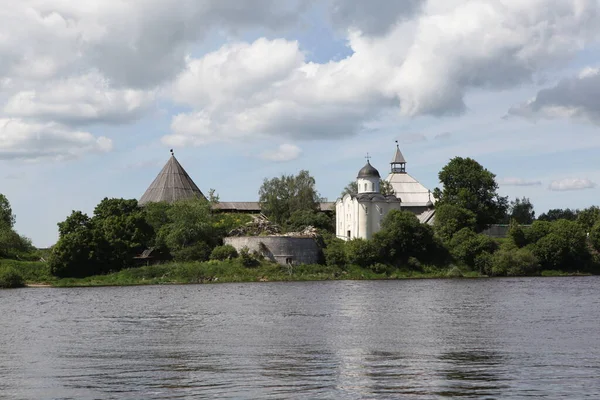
199, 251
512, 261
361, 252
466, 246
280, 197
335, 252
521, 211
106, 242
7, 218
557, 213
225, 252
13, 245
189, 222
468, 185
517, 235
564, 247
588, 217
248, 260
402, 236
450, 219
10, 278
300, 219
538, 230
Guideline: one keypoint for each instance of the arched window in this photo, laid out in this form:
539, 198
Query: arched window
365, 187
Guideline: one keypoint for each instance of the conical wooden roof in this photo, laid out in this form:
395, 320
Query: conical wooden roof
171, 184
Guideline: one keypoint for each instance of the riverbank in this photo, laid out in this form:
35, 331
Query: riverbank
36, 274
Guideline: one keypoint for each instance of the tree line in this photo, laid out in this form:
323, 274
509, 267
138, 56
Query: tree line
467, 202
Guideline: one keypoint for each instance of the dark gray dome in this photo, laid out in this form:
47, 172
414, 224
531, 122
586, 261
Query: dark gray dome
368, 171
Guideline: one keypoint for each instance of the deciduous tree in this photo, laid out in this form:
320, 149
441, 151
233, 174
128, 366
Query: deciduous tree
280, 197
468, 185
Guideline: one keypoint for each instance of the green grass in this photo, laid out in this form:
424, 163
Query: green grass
31, 271
35, 272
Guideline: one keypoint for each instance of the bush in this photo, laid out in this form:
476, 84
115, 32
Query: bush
10, 278
380, 268
197, 252
225, 252
361, 252
335, 253
248, 260
467, 245
510, 261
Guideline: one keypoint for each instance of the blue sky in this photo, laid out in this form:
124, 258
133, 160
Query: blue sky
92, 98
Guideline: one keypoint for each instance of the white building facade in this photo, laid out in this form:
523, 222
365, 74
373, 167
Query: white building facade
360, 215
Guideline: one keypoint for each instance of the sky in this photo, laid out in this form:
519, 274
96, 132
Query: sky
94, 93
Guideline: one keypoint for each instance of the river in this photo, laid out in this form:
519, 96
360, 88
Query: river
424, 339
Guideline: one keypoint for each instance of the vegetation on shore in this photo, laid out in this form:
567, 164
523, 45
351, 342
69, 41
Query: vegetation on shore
187, 238
214, 271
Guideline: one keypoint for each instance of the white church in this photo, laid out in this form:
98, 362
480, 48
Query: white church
359, 215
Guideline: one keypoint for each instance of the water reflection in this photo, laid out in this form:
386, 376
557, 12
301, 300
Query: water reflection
408, 339
472, 374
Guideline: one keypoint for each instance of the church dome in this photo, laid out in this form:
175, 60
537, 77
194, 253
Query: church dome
368, 171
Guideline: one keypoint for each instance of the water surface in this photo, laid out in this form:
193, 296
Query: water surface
423, 339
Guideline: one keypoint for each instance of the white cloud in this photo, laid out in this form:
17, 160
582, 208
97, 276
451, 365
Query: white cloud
79, 100
135, 43
518, 182
29, 141
575, 97
285, 152
423, 65
571, 184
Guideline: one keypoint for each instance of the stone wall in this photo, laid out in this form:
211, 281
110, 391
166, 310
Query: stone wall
283, 249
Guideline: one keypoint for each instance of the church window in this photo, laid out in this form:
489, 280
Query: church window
365, 187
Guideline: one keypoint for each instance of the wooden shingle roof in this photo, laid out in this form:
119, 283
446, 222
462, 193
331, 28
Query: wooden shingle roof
171, 184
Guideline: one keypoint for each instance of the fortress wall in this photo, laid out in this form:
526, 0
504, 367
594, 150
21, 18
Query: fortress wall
282, 249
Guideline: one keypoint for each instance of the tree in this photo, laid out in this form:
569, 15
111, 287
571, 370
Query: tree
361, 252
466, 246
280, 197
468, 185
521, 210
300, 219
7, 218
588, 217
190, 221
385, 188
450, 219
564, 247
556, 213
402, 236
106, 242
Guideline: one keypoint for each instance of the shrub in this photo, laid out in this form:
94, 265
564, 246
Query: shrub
247, 259
197, 252
361, 252
510, 261
225, 252
10, 278
335, 253
380, 268
467, 245
454, 272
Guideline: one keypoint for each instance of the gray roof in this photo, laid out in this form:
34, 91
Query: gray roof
398, 157
171, 184
254, 206
368, 171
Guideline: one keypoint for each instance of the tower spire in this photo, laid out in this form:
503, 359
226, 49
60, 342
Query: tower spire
398, 164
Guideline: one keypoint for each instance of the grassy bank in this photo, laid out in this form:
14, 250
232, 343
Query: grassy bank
37, 273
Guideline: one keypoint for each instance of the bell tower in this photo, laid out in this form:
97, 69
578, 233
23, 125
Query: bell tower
398, 163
